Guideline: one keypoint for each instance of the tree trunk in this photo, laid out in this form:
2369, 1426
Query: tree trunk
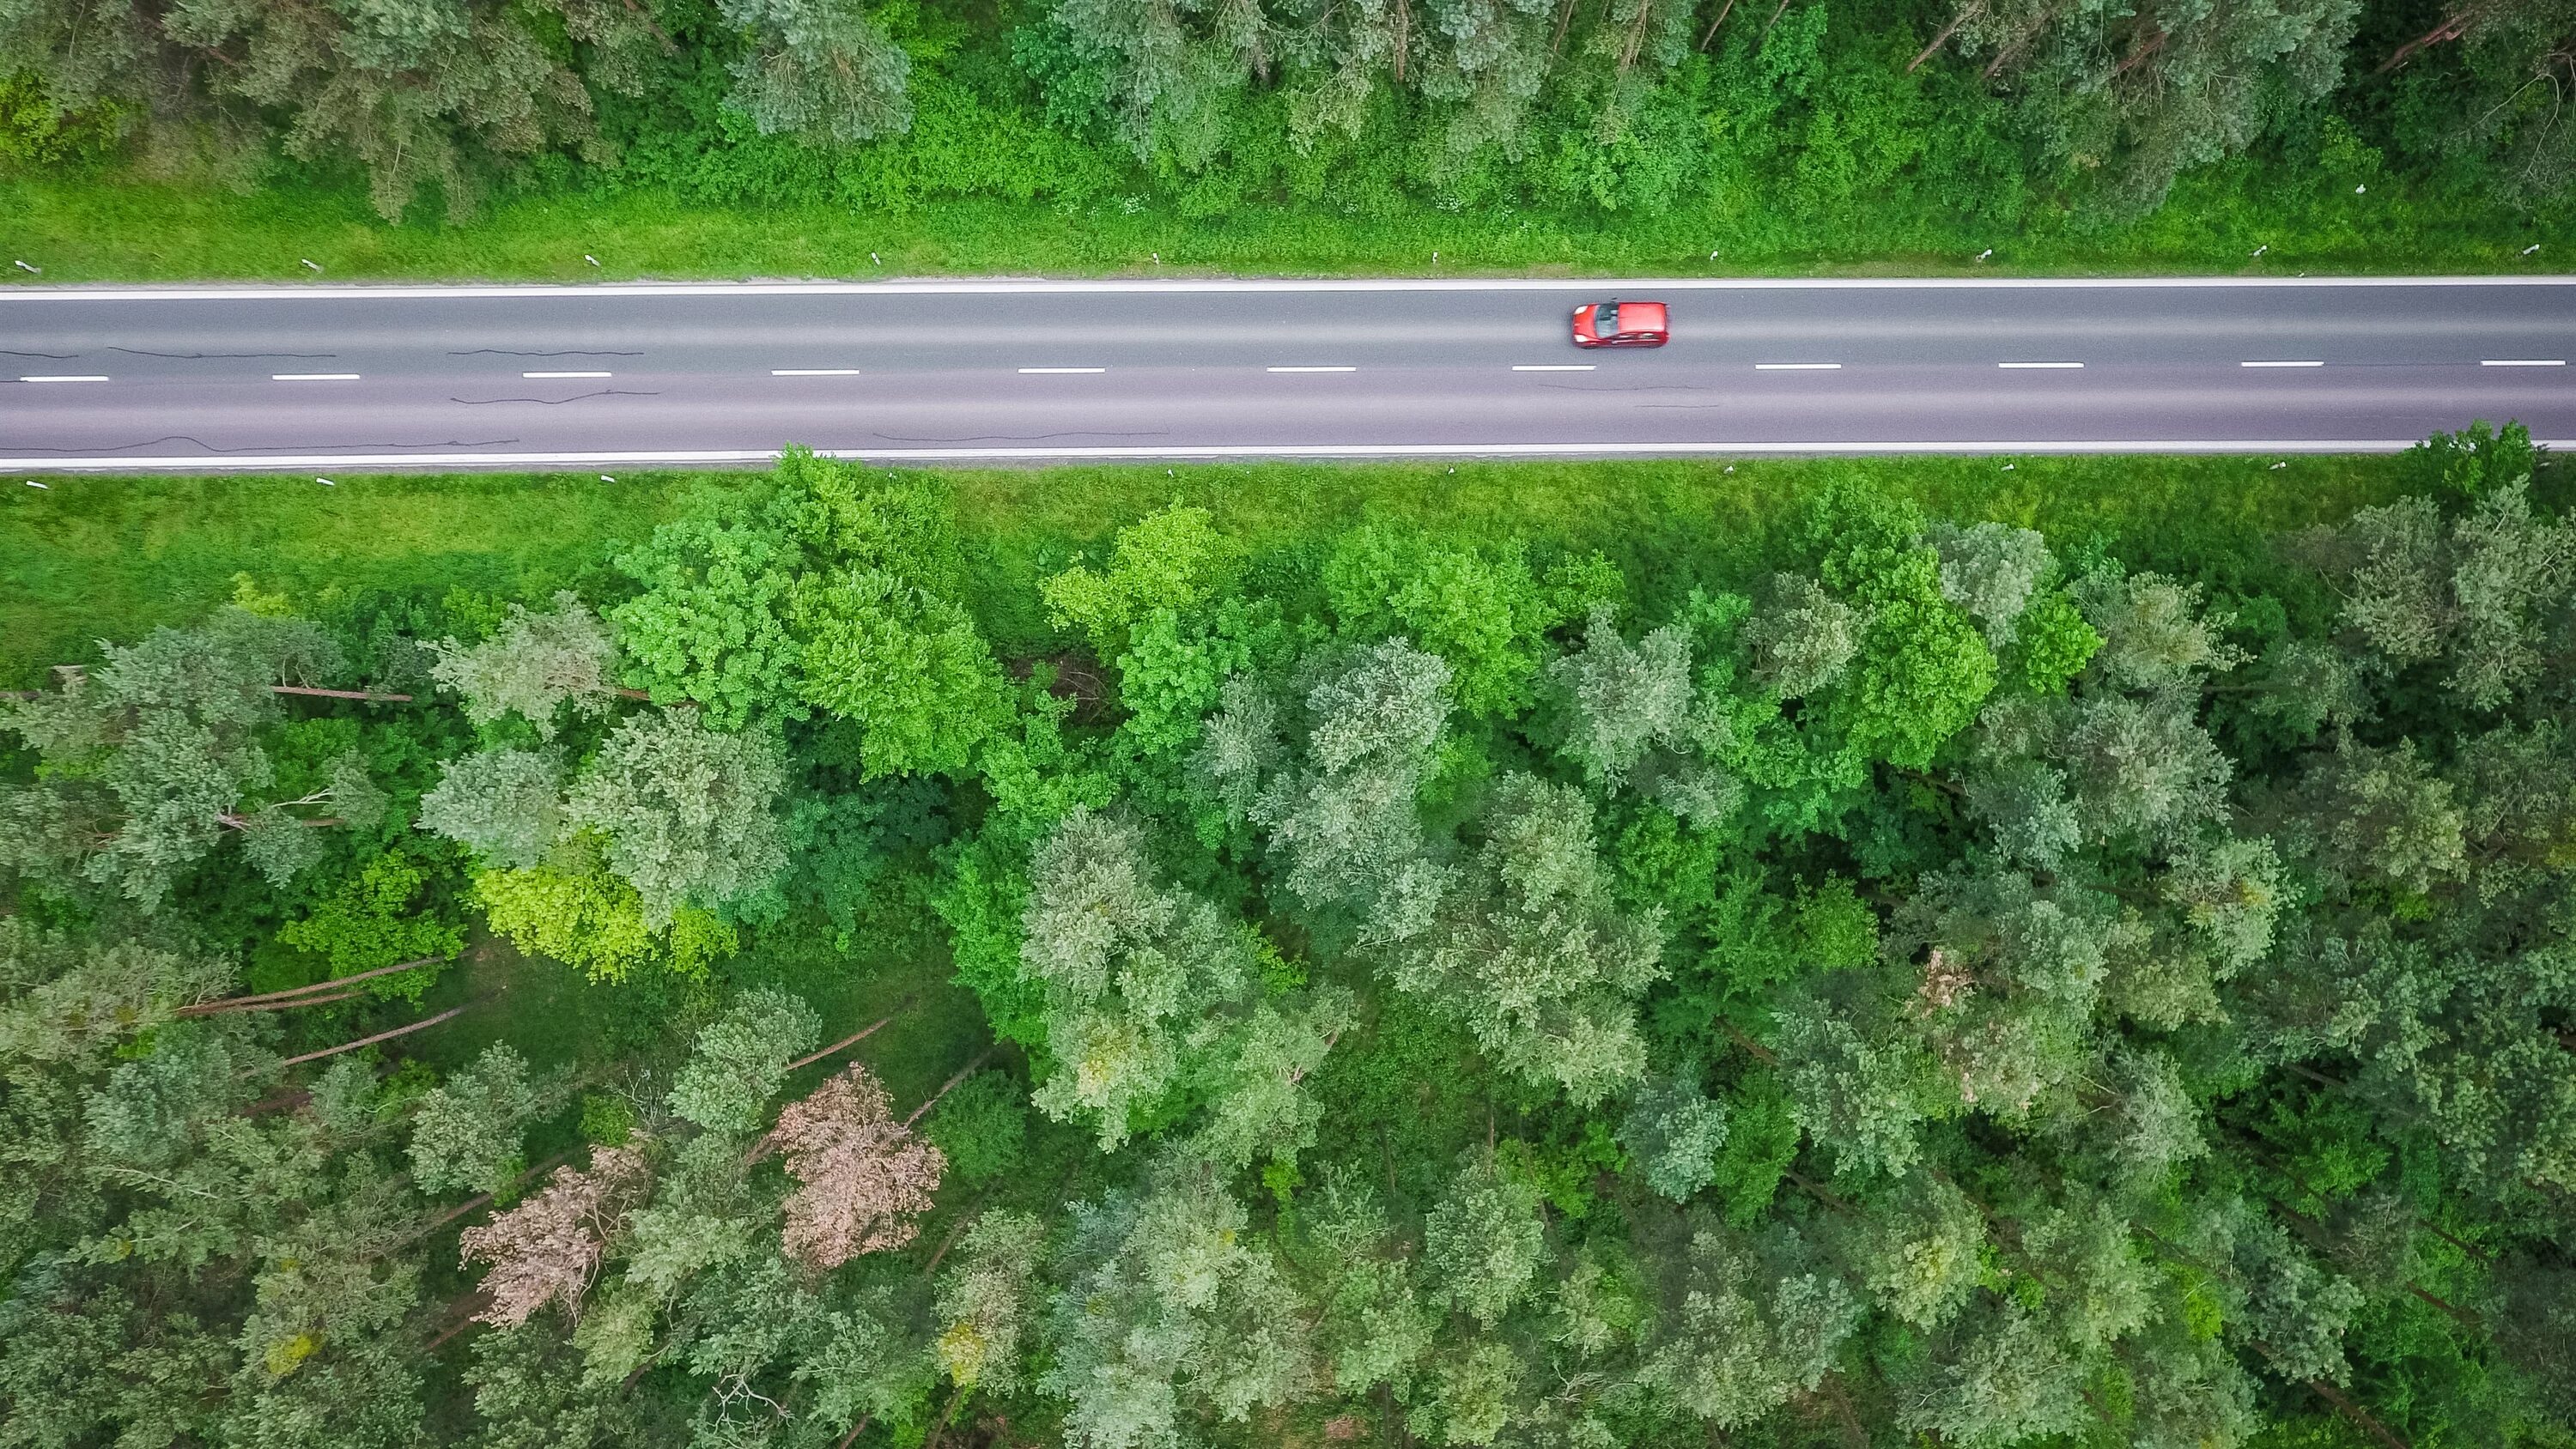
245, 1003
2453, 26
338, 693
962, 1074
853, 1039
1710, 34
351, 1046
2357, 1414
1965, 14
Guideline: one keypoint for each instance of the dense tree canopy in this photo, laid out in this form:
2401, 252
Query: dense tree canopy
1908, 981
1907, 117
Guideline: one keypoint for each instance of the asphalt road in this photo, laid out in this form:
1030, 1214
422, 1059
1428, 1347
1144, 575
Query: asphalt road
463, 377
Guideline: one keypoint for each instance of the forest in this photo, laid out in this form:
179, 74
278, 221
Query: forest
1877, 978
1892, 127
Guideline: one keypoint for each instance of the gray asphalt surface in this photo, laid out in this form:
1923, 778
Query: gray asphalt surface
599, 376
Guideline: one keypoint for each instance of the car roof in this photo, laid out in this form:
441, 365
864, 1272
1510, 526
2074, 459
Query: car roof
1641, 316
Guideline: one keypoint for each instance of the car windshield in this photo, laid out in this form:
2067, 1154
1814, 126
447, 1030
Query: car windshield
1605, 320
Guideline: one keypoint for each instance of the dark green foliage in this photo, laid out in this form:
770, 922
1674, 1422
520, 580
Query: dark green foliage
1946, 986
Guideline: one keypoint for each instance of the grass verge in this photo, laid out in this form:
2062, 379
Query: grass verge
107, 557
112, 227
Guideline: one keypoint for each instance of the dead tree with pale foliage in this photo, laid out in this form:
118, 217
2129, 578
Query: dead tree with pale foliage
864, 1178
547, 1249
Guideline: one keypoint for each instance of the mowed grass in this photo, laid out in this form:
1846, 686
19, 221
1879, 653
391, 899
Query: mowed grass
92, 558
109, 226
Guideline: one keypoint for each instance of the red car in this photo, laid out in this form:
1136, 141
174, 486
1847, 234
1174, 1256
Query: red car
1620, 324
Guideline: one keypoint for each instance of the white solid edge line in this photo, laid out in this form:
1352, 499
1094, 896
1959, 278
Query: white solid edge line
1063, 369
2281, 364
348, 461
1310, 369
312, 377
2523, 362
1245, 284
813, 372
2037, 366
67, 377
543, 375
1797, 367
1554, 366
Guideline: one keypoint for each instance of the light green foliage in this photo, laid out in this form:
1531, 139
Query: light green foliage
2155, 635
988, 1302
2008, 984
1918, 1252
1137, 976
1619, 699
1172, 674
1375, 1327
2010, 1381
1484, 1242
1802, 638
529, 1393
158, 751
1674, 1131
504, 805
1345, 838
1921, 668
1170, 1306
740, 1061
906, 666
1860, 1096
1745, 1327
67, 1000
1482, 611
691, 817
583, 916
465, 1132
1529, 954
1990, 570
1171, 562
374, 918
535, 667
2384, 816
1251, 1084
2484, 593
2053, 643
711, 625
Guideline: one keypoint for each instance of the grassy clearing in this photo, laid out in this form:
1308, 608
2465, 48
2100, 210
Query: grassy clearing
110, 558
109, 227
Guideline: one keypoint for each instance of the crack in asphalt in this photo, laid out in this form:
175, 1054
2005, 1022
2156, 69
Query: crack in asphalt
212, 356
48, 356
556, 402
265, 447
1026, 437
567, 352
